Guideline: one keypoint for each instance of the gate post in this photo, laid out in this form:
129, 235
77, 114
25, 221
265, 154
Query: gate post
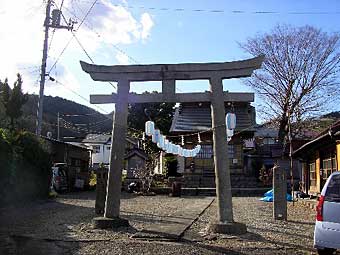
114, 183
225, 222
279, 192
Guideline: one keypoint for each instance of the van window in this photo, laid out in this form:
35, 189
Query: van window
61, 172
333, 189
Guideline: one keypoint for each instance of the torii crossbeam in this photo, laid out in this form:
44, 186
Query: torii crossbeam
168, 74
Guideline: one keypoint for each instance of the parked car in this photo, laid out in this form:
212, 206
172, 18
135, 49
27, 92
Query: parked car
59, 177
327, 225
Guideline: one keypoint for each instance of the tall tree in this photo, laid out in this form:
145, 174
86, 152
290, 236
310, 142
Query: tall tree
160, 113
13, 99
299, 75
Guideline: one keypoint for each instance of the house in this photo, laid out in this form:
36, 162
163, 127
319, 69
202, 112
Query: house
192, 118
100, 145
135, 160
319, 157
76, 157
267, 152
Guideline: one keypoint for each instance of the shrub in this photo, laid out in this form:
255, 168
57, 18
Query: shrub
6, 178
25, 167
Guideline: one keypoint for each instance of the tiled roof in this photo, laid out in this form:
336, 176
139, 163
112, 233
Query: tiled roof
96, 138
263, 131
332, 133
195, 117
103, 139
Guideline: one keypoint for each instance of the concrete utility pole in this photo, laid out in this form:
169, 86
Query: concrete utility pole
43, 69
53, 22
58, 131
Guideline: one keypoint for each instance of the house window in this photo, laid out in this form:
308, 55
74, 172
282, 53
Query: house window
328, 167
312, 174
206, 151
96, 148
108, 148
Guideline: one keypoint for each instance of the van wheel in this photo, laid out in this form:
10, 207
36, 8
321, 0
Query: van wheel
326, 251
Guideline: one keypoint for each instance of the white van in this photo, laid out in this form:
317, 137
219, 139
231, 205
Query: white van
327, 225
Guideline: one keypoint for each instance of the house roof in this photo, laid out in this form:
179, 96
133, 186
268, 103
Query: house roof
266, 132
323, 138
104, 139
81, 146
97, 138
197, 117
136, 151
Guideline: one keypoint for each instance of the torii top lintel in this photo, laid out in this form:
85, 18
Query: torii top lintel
185, 71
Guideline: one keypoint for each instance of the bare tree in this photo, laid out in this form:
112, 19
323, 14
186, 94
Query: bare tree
145, 174
299, 75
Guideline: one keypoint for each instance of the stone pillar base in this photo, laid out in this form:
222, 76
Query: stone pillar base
232, 228
104, 223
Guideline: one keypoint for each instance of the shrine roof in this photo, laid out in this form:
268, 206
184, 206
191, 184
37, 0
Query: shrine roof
190, 118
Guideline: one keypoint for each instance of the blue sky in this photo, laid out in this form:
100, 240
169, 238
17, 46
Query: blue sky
147, 34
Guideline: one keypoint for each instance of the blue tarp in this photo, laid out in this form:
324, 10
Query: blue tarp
268, 196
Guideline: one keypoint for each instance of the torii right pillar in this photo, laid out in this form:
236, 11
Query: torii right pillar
225, 222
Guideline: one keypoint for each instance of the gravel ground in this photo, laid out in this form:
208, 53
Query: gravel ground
265, 236
63, 226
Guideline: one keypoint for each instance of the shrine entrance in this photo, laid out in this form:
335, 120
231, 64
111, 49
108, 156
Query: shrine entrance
168, 74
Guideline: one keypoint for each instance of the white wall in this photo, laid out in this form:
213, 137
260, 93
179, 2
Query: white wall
103, 156
159, 168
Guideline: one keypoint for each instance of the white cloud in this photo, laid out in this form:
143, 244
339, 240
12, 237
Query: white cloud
63, 84
22, 34
122, 58
114, 24
21, 37
147, 24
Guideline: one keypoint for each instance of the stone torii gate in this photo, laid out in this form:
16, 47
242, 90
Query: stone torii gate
168, 74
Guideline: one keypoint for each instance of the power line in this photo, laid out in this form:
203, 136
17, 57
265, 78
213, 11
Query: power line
70, 125
83, 48
68, 43
223, 11
99, 35
87, 54
74, 92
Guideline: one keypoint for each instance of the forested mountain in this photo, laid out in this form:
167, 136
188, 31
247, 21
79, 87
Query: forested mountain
76, 120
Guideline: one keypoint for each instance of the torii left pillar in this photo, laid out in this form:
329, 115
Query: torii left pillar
111, 217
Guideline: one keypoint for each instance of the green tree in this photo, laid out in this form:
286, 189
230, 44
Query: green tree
160, 113
13, 100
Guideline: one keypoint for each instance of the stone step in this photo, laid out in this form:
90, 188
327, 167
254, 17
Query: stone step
235, 191
237, 181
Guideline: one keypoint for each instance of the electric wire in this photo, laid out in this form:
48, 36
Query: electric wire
132, 59
80, 115
84, 98
68, 43
222, 11
84, 50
